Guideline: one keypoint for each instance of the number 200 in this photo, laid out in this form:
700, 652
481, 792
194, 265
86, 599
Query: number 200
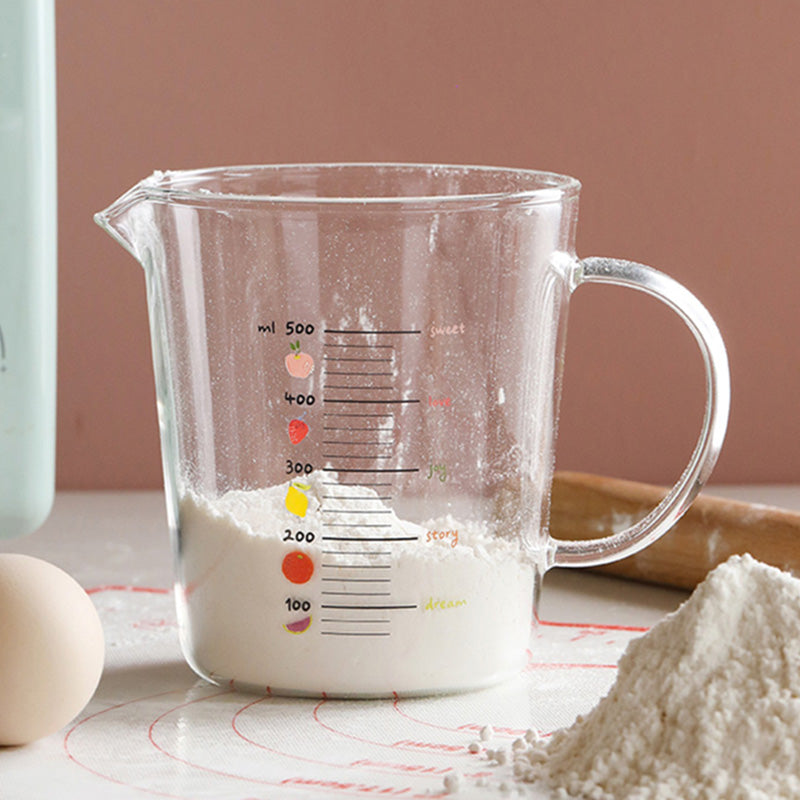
298, 536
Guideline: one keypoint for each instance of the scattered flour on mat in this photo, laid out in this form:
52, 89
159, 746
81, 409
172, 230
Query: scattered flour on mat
706, 705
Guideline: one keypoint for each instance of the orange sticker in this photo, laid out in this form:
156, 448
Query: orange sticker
297, 567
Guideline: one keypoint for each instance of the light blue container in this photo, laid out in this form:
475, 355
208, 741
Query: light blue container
27, 264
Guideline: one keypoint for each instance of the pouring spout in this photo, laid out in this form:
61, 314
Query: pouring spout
119, 220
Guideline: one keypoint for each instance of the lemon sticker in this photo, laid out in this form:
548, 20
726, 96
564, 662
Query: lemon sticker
296, 501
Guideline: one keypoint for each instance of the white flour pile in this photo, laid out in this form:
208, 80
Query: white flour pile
706, 705
465, 596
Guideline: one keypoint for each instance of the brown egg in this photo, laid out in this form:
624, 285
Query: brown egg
51, 649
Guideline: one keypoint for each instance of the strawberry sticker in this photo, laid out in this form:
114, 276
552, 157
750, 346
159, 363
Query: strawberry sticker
297, 430
298, 363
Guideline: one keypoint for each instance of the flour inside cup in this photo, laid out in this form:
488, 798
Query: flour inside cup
273, 599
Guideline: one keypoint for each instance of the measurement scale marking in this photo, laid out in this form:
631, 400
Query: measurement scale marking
358, 430
358, 553
373, 360
365, 414
369, 539
360, 484
355, 511
377, 402
360, 577
363, 346
351, 526
359, 443
388, 440
367, 428
372, 608
355, 496
362, 388
341, 456
360, 374
344, 371
382, 414
334, 457
352, 497
346, 508
384, 469
368, 333
348, 365
356, 525
344, 457
366, 444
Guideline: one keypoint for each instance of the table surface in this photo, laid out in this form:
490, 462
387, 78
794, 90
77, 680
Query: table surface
153, 729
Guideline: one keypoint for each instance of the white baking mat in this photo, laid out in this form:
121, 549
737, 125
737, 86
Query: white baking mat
154, 729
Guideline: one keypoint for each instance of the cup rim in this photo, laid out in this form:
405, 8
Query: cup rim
543, 186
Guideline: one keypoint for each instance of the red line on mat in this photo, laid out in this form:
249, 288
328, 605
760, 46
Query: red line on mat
637, 628
405, 744
72, 757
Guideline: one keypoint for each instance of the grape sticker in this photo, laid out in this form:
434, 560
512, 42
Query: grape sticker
300, 626
296, 500
297, 605
298, 363
298, 430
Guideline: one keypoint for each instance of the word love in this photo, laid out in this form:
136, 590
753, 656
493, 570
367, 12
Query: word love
439, 402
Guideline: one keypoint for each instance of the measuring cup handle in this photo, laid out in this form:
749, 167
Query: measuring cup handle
592, 552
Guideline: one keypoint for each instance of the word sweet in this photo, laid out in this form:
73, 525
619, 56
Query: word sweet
445, 330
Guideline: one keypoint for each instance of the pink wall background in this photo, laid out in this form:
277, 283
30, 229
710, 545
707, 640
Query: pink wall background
681, 119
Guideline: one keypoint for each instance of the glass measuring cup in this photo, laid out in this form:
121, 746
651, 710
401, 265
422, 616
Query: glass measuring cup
358, 370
